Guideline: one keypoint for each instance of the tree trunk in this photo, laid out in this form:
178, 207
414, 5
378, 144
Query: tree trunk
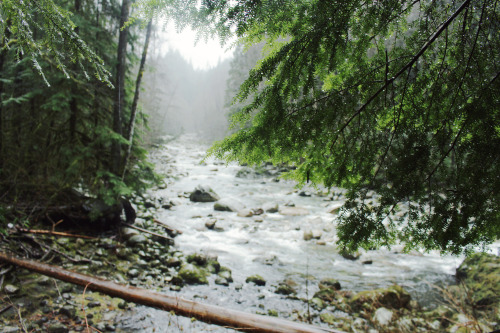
133, 112
120, 86
241, 321
73, 105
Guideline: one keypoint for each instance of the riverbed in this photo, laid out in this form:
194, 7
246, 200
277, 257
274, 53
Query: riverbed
270, 244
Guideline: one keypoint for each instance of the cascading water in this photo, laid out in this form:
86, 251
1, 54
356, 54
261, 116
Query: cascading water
271, 245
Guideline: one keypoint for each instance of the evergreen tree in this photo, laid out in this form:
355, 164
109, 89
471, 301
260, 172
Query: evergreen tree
396, 97
56, 140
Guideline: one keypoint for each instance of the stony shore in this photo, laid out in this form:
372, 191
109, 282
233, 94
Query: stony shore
34, 303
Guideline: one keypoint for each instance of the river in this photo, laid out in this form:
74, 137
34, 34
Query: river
271, 245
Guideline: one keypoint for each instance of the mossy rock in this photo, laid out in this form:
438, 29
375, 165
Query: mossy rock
394, 297
326, 294
198, 259
285, 289
317, 303
225, 273
256, 279
192, 274
328, 318
480, 272
329, 283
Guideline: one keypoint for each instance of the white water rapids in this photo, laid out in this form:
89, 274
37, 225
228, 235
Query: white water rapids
273, 248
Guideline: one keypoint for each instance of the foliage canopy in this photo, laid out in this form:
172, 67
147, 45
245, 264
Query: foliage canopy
396, 97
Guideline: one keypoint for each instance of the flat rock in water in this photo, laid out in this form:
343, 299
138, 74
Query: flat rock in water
293, 211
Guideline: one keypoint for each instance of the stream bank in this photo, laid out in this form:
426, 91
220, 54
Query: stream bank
276, 256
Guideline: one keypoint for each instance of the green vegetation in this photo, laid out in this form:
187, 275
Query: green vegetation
395, 97
399, 98
56, 129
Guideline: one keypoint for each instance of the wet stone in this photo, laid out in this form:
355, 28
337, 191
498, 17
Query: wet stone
256, 279
203, 194
94, 304
329, 283
57, 328
68, 311
221, 281
10, 289
136, 240
133, 273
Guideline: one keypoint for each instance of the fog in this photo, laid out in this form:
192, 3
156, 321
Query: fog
179, 99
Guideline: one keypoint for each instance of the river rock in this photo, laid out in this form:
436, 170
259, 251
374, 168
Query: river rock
326, 295
228, 205
328, 317
285, 289
334, 208
10, 289
245, 212
226, 274
221, 281
133, 273
270, 207
349, 255
203, 194
308, 235
192, 274
57, 327
210, 224
480, 272
137, 240
317, 303
329, 283
293, 211
383, 316
68, 311
256, 279
394, 297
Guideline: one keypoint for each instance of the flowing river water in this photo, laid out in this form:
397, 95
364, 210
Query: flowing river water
271, 245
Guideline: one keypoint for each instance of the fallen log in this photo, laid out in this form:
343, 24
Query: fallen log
53, 233
211, 314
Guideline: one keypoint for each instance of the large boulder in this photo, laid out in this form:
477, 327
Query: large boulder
394, 297
203, 194
480, 272
228, 205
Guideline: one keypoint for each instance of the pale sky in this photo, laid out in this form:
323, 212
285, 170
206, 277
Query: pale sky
202, 56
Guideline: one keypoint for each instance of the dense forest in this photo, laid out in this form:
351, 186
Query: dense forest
391, 107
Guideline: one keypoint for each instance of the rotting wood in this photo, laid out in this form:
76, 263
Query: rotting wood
54, 233
147, 231
241, 321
